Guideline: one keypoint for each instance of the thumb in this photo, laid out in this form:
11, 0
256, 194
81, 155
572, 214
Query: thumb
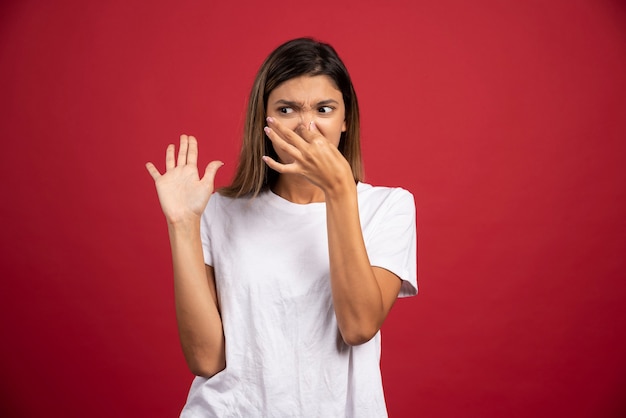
308, 132
209, 173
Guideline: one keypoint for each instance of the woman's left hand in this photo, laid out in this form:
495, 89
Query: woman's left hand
312, 155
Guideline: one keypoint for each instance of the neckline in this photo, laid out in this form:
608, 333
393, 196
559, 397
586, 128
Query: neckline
285, 205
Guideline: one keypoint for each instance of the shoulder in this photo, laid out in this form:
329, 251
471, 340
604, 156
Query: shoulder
217, 202
220, 200
381, 195
236, 207
221, 206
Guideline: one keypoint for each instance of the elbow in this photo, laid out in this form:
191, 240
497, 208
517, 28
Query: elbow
207, 373
204, 360
358, 335
206, 369
359, 328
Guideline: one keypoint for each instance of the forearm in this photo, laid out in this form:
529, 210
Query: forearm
197, 312
357, 296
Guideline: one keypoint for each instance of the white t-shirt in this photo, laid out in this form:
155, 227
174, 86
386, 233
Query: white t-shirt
284, 354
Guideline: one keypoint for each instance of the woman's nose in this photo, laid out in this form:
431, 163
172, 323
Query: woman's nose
306, 118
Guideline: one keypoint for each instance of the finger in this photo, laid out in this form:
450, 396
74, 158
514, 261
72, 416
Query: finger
182, 150
192, 150
169, 157
153, 171
309, 132
209, 173
275, 165
281, 144
285, 133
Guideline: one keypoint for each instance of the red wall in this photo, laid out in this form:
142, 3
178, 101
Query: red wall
507, 120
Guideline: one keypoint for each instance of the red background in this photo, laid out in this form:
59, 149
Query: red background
507, 120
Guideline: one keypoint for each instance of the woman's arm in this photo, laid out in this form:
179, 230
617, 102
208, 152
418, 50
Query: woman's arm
362, 295
183, 197
197, 309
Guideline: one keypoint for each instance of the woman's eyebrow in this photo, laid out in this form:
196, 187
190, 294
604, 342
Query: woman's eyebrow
327, 102
291, 103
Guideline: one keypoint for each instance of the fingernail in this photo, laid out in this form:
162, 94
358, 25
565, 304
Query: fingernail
312, 126
267, 130
270, 119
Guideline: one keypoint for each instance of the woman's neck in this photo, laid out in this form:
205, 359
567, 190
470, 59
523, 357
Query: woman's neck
297, 189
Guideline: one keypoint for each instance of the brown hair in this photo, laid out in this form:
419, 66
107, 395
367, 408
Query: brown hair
295, 58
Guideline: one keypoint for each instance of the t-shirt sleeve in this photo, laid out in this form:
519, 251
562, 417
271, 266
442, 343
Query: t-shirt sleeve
393, 242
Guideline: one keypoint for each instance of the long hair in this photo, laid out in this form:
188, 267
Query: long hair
295, 58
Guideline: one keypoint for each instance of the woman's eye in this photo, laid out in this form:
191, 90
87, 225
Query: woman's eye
325, 109
285, 110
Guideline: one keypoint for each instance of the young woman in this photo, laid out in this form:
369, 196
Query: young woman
284, 278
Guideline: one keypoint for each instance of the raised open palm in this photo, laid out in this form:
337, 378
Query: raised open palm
182, 193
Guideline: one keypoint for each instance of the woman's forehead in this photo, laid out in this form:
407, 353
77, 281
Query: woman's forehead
306, 88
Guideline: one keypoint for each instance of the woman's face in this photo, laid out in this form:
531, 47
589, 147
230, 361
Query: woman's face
300, 100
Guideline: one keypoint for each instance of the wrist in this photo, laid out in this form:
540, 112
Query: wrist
183, 225
341, 190
181, 217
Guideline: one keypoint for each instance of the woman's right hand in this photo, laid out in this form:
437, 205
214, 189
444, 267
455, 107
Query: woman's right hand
183, 195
